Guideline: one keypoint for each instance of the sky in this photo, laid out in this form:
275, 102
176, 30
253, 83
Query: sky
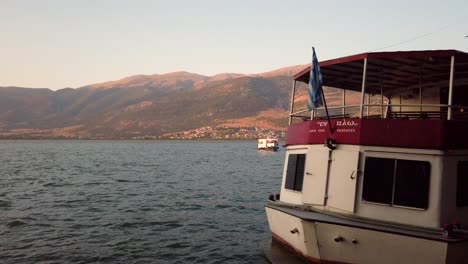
57, 43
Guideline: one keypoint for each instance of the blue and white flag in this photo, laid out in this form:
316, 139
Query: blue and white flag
314, 100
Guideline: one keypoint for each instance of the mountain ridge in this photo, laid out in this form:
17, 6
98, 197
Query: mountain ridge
154, 106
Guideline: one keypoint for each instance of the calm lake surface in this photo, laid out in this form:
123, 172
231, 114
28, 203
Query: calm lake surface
135, 201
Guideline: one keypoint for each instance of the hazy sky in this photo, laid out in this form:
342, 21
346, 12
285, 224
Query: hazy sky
57, 44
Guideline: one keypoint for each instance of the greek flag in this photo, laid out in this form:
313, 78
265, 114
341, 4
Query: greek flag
314, 100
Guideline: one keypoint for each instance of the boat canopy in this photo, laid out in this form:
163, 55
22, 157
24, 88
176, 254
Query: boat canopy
414, 81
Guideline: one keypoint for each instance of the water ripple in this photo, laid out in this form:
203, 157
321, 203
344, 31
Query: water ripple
16, 223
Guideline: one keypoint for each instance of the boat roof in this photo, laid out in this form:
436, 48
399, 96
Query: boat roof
392, 70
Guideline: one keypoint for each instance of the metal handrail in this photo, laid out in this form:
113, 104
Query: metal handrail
299, 112
460, 107
370, 105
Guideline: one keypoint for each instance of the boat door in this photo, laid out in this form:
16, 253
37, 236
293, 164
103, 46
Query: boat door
315, 176
342, 180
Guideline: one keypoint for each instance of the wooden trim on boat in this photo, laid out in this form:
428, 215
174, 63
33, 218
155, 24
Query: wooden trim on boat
368, 224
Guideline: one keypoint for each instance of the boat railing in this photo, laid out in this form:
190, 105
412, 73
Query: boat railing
387, 111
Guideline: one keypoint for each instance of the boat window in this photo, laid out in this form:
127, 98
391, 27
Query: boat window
412, 183
397, 182
462, 183
378, 180
295, 172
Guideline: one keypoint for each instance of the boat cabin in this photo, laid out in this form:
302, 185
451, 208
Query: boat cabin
394, 146
268, 144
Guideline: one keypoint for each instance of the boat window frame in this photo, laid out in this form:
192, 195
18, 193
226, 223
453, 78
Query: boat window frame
392, 204
461, 204
294, 182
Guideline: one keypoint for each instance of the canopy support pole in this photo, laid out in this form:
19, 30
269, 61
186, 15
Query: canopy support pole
291, 106
420, 90
381, 100
344, 103
368, 105
450, 95
364, 72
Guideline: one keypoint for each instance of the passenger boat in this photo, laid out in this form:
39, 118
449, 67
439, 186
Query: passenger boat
384, 180
270, 144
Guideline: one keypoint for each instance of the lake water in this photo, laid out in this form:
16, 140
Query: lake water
135, 201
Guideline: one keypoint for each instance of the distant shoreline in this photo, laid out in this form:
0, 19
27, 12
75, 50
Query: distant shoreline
130, 139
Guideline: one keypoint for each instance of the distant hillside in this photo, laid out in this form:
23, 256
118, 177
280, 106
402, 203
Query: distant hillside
152, 106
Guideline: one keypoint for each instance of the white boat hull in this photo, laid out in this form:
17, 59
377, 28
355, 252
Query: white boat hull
269, 148
320, 242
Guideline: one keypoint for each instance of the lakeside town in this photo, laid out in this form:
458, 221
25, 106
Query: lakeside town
208, 132
221, 133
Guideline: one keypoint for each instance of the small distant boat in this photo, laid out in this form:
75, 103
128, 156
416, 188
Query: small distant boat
270, 144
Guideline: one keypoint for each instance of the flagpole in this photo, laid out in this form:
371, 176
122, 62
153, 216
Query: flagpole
326, 111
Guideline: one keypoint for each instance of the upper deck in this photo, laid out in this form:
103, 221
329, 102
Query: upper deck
412, 99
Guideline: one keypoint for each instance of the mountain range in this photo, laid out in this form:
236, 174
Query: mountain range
152, 106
